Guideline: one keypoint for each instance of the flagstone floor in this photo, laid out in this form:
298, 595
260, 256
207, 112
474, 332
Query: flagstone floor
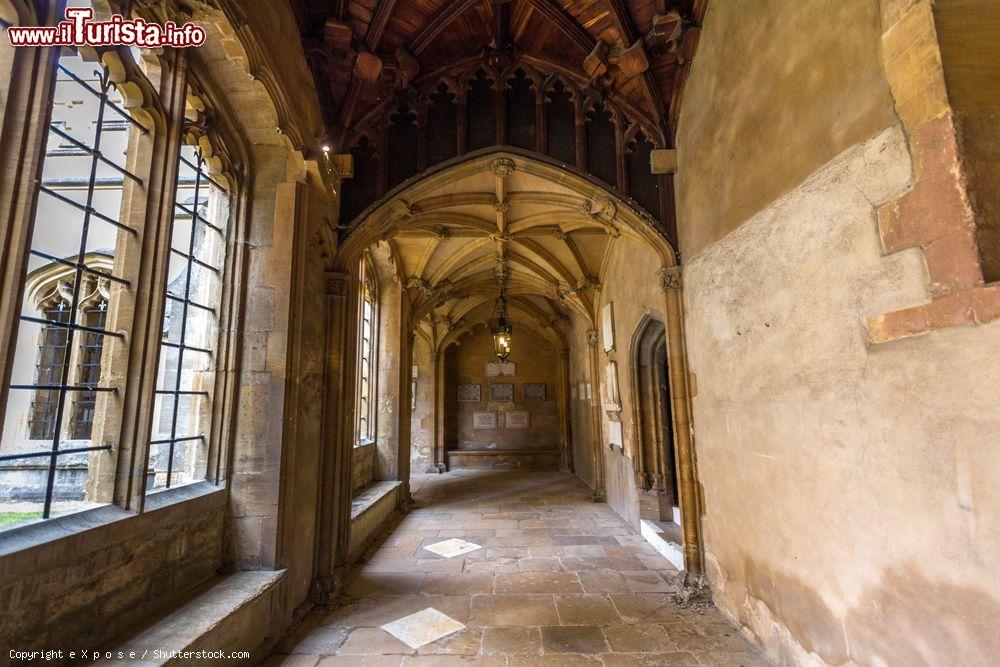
512, 568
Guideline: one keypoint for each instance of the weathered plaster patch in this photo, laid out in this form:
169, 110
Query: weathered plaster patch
878, 456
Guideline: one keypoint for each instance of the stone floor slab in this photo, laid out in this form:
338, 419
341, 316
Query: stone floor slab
557, 580
423, 627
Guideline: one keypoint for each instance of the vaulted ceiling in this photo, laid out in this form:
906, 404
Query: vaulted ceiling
449, 237
634, 51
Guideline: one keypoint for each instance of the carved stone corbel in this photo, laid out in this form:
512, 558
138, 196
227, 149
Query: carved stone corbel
670, 278
502, 167
338, 285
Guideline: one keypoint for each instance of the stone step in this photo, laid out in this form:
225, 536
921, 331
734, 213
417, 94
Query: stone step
665, 537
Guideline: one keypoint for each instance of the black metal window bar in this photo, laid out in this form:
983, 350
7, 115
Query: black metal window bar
180, 302
365, 380
53, 378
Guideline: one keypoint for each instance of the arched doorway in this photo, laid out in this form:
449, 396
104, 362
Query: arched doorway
656, 459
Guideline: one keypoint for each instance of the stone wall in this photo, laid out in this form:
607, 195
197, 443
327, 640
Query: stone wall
876, 453
422, 419
581, 421
631, 286
362, 466
113, 570
537, 362
969, 36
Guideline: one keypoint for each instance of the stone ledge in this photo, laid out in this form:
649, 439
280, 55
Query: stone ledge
371, 495
370, 510
978, 305
504, 459
230, 613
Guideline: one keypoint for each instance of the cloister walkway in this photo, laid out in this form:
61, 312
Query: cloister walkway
547, 577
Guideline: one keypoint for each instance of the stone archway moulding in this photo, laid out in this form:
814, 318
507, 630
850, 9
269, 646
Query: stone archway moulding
410, 208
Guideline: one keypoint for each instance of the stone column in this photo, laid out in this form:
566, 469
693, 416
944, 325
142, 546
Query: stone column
405, 409
333, 535
597, 433
440, 462
24, 138
566, 462
689, 494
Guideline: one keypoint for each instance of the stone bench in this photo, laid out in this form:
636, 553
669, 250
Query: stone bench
229, 613
503, 459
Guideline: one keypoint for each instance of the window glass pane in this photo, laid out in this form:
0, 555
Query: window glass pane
56, 397
190, 331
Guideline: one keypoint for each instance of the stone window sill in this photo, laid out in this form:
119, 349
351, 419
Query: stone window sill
371, 495
51, 530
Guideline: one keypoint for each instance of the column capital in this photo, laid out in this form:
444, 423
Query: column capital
592, 337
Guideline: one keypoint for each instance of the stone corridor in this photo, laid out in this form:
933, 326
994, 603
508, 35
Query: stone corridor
549, 578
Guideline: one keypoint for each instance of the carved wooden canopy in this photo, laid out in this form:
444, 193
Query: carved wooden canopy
408, 84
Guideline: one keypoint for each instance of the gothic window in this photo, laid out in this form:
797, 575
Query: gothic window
402, 147
482, 112
88, 371
190, 332
521, 115
643, 185
561, 124
367, 355
77, 232
602, 150
362, 190
49, 370
442, 126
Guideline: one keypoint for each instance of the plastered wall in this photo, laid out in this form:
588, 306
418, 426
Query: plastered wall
852, 514
631, 284
778, 88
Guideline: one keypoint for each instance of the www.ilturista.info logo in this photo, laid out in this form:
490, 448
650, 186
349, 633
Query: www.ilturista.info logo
79, 29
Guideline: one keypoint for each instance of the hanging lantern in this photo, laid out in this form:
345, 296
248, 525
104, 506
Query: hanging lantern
501, 329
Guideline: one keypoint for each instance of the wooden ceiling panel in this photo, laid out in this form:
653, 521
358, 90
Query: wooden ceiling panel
533, 33
552, 35
360, 13
642, 12
407, 19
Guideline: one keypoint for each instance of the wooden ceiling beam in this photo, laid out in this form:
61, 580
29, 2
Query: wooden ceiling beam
566, 23
441, 20
623, 21
383, 12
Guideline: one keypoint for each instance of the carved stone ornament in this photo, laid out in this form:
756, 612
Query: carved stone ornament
670, 279
593, 336
337, 285
599, 206
502, 167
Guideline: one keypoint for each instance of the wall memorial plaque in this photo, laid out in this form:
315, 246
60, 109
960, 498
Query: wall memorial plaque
470, 393
533, 391
497, 369
518, 419
484, 420
608, 327
502, 393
